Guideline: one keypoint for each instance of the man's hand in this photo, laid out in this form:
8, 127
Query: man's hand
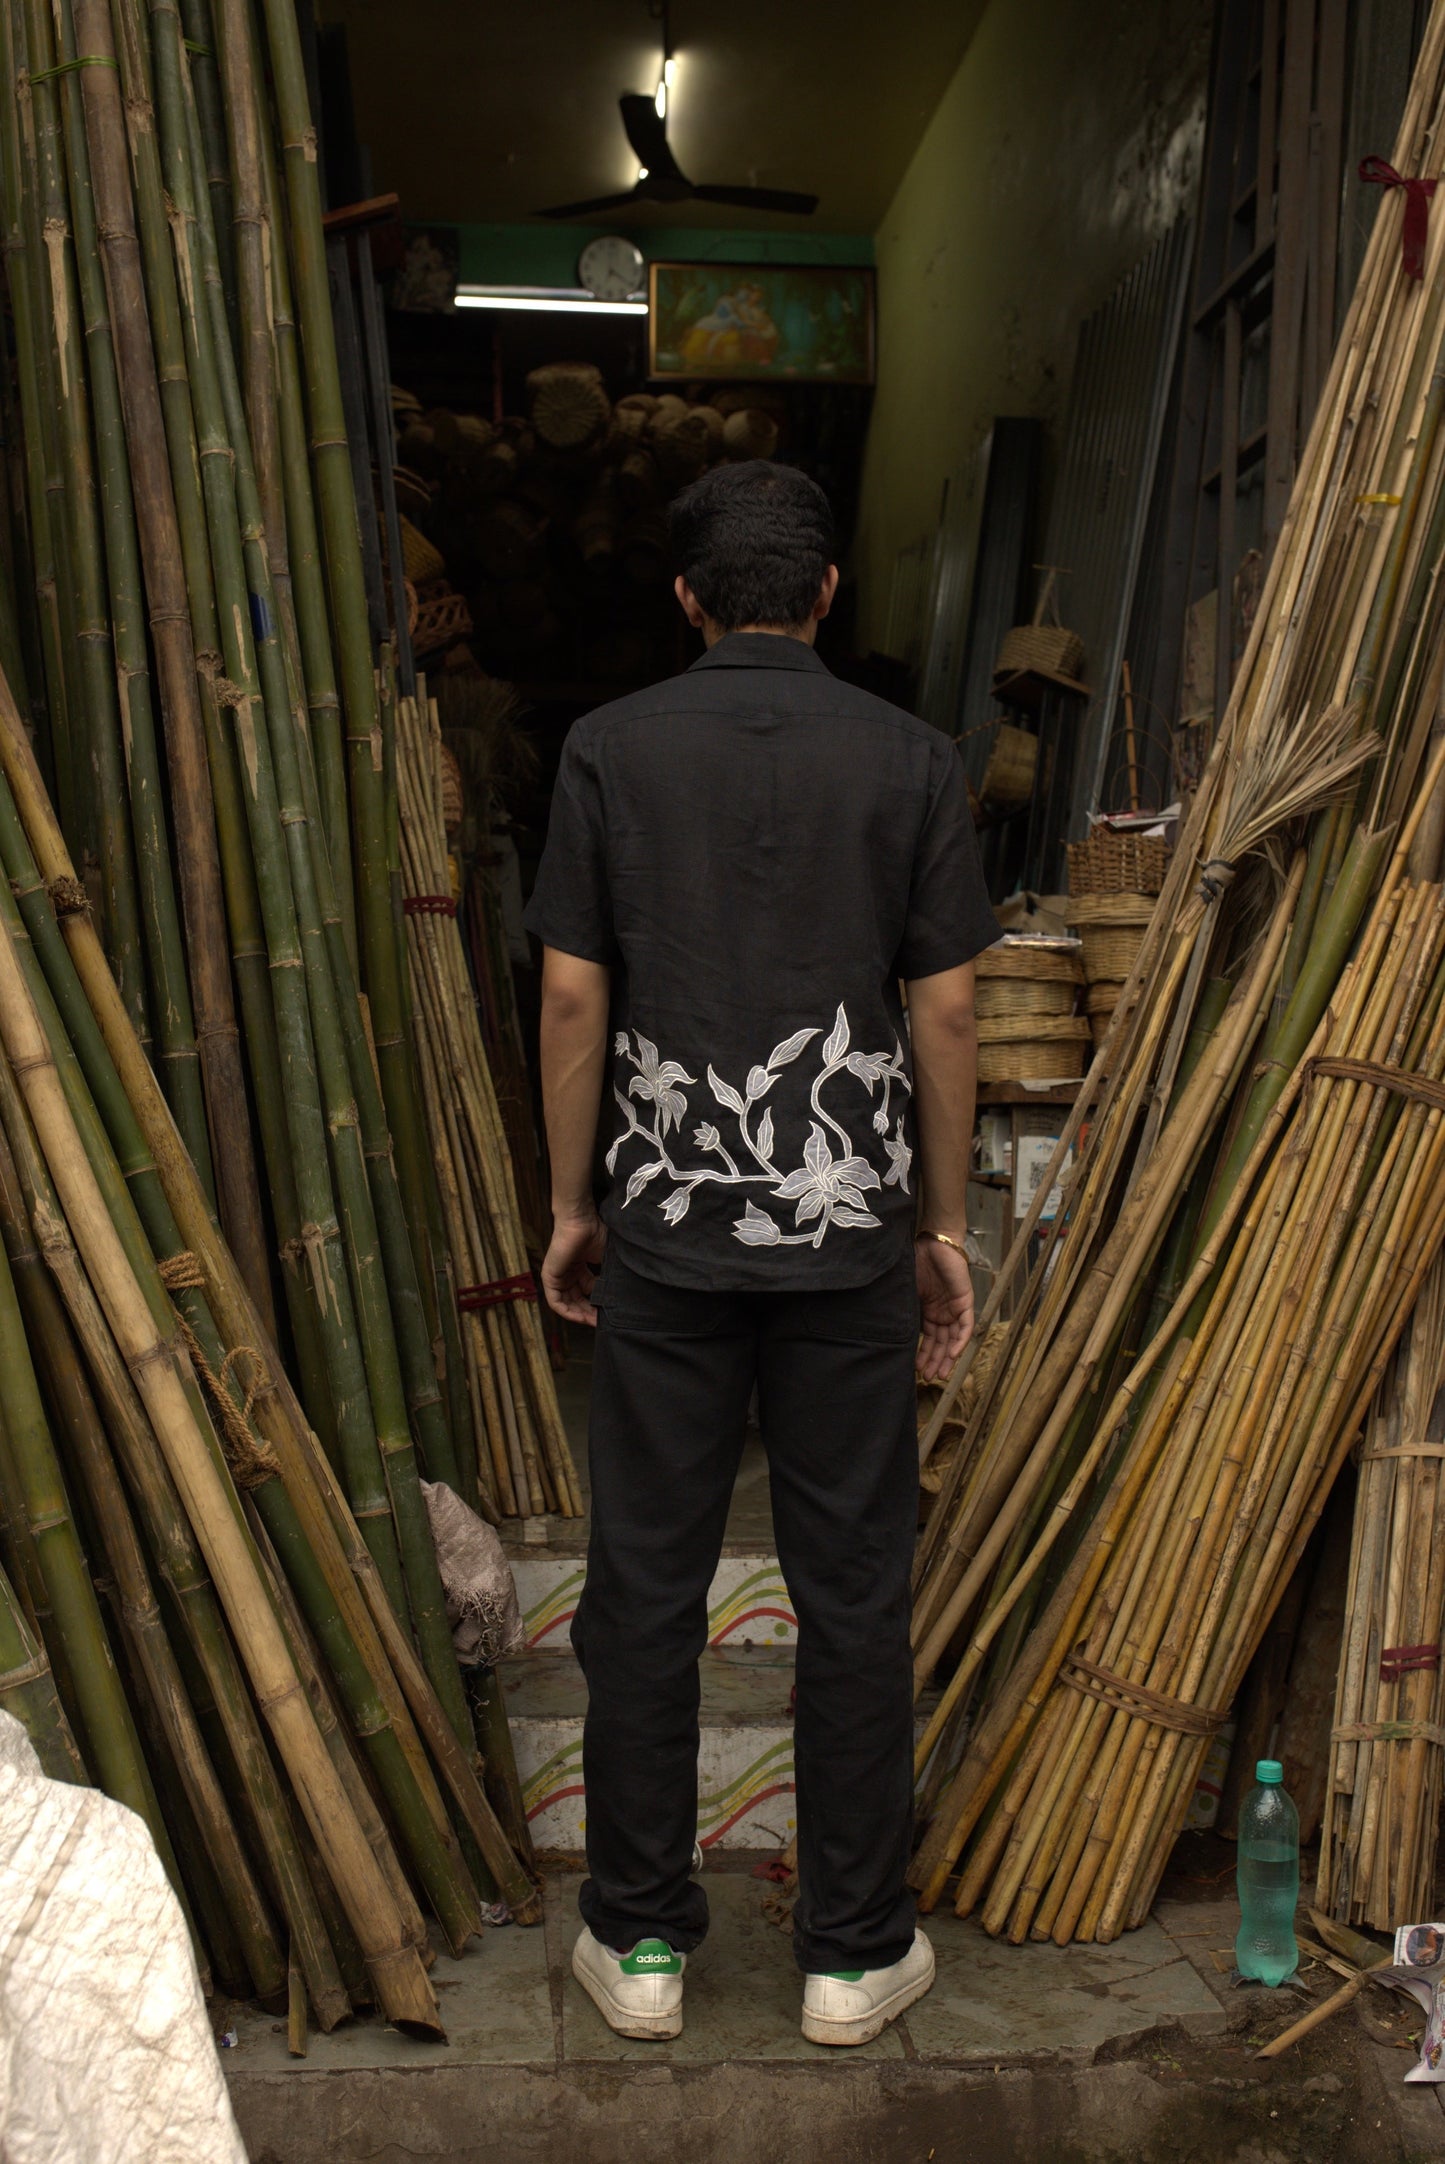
945, 1291
569, 1268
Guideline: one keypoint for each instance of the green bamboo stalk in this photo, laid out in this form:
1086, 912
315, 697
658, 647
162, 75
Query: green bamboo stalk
178, 1057
320, 1233
313, 624
437, 1859
338, 1075
27, 1689
178, 1559
80, 1432
95, 677
200, 35
41, 427
382, 955
112, 1745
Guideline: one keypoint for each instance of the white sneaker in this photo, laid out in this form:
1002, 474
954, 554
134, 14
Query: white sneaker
637, 1993
852, 2005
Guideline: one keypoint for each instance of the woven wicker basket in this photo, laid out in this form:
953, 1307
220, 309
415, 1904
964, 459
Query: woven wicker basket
423, 559
1023, 995
1109, 863
1008, 779
1058, 961
1100, 1025
1110, 950
453, 803
440, 618
1035, 1028
1135, 909
1040, 650
1030, 1061
1102, 998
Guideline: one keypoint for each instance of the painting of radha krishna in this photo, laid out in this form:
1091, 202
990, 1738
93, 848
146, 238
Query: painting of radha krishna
803, 323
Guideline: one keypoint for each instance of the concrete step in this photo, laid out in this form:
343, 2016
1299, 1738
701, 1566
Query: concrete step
745, 1752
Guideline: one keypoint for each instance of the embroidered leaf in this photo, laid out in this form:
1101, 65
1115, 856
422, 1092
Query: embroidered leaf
790, 1047
837, 1043
759, 1082
647, 1051
816, 1154
725, 1094
676, 1204
765, 1134
755, 1229
612, 1153
640, 1178
844, 1216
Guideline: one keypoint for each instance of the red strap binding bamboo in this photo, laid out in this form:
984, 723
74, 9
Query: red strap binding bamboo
472, 1298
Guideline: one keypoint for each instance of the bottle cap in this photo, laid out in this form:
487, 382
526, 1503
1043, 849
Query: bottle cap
1270, 1771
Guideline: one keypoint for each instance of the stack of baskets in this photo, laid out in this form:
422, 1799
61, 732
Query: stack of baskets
1028, 1030
1113, 880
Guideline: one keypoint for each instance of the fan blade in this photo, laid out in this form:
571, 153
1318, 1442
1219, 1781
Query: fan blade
584, 210
759, 199
647, 133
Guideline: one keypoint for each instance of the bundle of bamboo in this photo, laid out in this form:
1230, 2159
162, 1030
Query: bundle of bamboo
523, 1461
198, 677
1118, 1524
1382, 1805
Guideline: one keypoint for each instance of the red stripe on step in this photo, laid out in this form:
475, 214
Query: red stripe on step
780, 1788
558, 1795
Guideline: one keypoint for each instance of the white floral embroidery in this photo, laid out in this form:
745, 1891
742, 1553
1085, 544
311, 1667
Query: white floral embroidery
831, 1185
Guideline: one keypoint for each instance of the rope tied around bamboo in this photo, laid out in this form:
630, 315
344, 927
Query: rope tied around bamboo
1134, 1698
1378, 1074
249, 1458
1216, 876
68, 898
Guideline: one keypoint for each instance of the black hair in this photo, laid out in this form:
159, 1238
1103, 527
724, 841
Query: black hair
753, 541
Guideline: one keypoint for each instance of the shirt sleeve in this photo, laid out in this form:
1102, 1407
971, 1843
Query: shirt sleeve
571, 908
950, 919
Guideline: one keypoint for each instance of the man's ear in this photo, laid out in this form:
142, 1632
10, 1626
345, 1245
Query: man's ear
688, 602
826, 592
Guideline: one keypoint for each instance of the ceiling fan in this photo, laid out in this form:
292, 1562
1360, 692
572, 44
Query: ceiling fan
660, 178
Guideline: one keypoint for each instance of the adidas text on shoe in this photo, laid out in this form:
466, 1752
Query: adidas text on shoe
637, 1993
853, 2005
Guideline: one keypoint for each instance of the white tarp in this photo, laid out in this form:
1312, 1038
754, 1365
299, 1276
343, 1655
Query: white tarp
106, 2055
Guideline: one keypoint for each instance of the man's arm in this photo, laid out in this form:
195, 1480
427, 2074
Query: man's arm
945, 1075
575, 1002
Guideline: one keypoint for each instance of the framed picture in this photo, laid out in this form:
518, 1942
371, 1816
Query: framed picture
789, 323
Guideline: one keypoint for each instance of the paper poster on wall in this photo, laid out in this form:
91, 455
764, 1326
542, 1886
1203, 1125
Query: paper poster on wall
1031, 1162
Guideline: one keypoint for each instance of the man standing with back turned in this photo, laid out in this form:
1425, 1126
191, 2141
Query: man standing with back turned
743, 863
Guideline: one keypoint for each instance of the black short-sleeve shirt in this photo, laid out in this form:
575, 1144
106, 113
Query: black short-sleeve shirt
759, 853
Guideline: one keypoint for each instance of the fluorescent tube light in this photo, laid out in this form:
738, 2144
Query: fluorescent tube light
545, 300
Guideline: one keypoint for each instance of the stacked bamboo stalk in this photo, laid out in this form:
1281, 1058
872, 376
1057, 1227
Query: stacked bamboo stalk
1382, 1802
1245, 1233
226, 1303
524, 1465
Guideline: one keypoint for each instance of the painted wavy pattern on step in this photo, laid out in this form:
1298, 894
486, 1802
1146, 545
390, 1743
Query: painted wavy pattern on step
556, 1792
759, 1607
722, 1809
547, 1621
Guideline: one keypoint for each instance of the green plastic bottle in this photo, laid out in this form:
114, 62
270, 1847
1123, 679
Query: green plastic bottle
1267, 1876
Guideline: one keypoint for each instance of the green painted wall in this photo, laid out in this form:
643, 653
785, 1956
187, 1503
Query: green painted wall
546, 255
1067, 141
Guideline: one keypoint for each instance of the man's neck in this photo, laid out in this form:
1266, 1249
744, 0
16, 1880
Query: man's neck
806, 633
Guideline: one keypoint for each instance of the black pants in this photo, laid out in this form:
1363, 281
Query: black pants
673, 1374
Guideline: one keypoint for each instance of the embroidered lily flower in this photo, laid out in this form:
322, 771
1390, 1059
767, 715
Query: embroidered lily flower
900, 1157
706, 1137
655, 1083
620, 1044
832, 1191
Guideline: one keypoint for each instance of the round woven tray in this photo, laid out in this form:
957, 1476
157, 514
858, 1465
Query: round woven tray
1085, 909
1060, 961
1110, 950
1029, 1061
1040, 1028
1024, 995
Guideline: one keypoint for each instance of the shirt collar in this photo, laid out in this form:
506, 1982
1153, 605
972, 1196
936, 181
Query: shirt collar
759, 650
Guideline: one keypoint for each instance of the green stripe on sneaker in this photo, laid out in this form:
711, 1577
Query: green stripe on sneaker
651, 1957
845, 1976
